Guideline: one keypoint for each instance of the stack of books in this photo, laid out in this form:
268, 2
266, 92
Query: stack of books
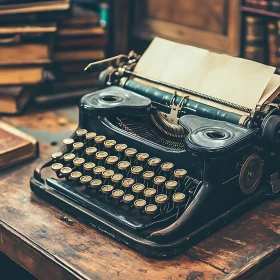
80, 40
27, 32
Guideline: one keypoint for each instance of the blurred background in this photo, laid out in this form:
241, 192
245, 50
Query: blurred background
45, 44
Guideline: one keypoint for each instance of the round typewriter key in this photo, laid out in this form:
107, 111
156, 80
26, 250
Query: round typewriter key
142, 156
151, 209
148, 175
88, 166
75, 175
109, 144
81, 132
123, 165
150, 192
128, 198
161, 199
154, 161
138, 188
78, 161
65, 171
159, 180
140, 204
56, 167
68, 142
95, 184
117, 178
91, 151
106, 174
130, 152
180, 173
90, 136
171, 185
167, 166
178, 197
136, 170
69, 157
101, 155
98, 170
78, 145
99, 139
107, 189
111, 160
120, 148
127, 183
117, 194
57, 156
85, 180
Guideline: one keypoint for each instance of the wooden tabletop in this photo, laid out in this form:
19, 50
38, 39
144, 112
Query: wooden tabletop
53, 245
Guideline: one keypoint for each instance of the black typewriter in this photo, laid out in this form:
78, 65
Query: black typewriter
158, 171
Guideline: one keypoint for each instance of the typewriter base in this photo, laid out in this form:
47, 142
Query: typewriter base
145, 246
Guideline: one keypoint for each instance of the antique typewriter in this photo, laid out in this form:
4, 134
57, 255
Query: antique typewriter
155, 168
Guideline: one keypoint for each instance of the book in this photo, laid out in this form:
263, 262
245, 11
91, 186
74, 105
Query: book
15, 146
82, 43
87, 31
25, 54
272, 43
13, 99
78, 55
21, 75
255, 39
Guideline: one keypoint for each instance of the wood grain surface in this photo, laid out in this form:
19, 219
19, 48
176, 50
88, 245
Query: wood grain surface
53, 245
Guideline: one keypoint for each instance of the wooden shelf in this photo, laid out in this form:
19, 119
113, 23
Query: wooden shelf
260, 12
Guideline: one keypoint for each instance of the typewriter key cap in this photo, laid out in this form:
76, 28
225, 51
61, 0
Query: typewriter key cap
123, 165
167, 166
65, 171
78, 146
150, 192
57, 156
85, 180
109, 144
151, 209
107, 189
56, 167
78, 161
95, 184
98, 170
91, 151
159, 180
138, 188
99, 139
68, 142
111, 160
128, 198
161, 199
90, 136
136, 170
69, 157
127, 183
142, 156
106, 174
130, 152
117, 178
120, 148
75, 175
101, 155
171, 185
88, 166
117, 194
178, 197
180, 173
148, 175
140, 204
154, 161
81, 132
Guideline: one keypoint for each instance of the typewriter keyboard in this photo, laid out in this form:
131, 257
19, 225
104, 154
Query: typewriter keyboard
120, 182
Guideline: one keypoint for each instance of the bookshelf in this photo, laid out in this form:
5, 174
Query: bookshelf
257, 11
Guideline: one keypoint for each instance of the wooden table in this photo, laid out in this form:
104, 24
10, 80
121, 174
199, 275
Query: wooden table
53, 245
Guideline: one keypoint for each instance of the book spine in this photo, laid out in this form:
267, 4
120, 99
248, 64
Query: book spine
254, 43
277, 46
272, 43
